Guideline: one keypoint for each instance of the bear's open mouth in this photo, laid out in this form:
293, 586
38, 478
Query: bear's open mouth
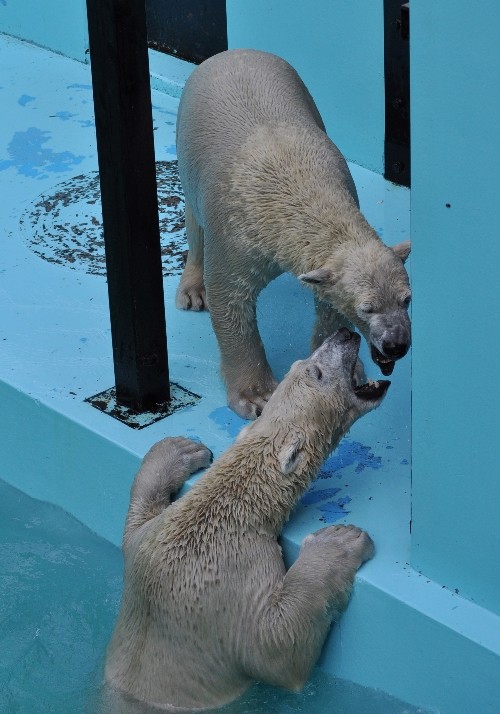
372, 391
385, 363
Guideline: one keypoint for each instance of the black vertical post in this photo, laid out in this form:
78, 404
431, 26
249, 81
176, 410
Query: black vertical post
125, 146
397, 91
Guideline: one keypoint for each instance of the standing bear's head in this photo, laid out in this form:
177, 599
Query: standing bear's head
370, 286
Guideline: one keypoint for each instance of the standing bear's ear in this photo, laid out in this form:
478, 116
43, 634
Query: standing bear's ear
292, 452
402, 250
317, 277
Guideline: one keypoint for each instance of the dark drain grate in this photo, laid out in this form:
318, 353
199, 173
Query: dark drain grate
65, 228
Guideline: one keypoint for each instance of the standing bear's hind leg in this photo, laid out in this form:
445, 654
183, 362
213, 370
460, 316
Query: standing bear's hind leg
163, 471
191, 291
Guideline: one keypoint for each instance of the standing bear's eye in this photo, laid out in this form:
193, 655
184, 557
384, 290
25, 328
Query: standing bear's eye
406, 301
367, 308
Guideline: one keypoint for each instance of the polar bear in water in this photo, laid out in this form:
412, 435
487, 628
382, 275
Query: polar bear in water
207, 606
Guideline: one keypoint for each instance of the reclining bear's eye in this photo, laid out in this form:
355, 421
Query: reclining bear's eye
406, 301
318, 373
367, 308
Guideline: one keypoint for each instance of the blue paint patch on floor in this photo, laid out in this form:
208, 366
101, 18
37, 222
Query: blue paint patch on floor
25, 99
348, 453
64, 115
334, 510
29, 157
227, 420
312, 497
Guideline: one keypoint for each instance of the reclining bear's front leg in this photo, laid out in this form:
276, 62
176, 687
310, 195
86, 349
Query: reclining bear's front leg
163, 471
314, 591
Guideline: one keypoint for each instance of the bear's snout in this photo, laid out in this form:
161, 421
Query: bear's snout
343, 335
395, 349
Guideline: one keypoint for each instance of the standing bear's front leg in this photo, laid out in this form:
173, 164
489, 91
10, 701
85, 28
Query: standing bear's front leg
163, 471
294, 623
233, 309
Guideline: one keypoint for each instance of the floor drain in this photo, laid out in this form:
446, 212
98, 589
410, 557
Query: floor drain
65, 227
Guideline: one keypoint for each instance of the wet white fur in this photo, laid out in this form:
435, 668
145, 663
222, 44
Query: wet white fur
267, 192
207, 605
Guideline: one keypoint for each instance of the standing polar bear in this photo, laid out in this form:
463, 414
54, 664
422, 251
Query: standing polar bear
267, 192
207, 605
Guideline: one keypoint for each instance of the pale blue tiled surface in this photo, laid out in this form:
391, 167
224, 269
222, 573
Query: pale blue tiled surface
455, 224
55, 350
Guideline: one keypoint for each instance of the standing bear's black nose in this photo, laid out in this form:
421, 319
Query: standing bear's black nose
395, 350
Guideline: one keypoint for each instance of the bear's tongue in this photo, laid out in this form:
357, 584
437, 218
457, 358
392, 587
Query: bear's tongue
386, 365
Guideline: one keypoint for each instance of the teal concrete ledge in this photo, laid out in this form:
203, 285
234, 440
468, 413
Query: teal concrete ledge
33, 21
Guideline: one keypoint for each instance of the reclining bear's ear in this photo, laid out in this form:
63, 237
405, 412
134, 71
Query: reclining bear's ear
402, 250
317, 277
291, 454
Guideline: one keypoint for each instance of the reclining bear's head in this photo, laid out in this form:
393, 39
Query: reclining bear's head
371, 288
316, 403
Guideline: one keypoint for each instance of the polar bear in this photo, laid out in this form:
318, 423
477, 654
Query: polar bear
207, 606
267, 192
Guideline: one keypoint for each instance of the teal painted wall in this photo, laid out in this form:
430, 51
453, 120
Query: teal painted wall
65, 463
60, 25
338, 49
455, 207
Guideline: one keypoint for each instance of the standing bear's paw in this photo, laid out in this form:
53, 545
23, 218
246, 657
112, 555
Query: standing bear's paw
191, 293
248, 403
347, 543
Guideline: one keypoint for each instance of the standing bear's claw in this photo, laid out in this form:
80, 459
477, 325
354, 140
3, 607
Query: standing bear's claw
249, 403
191, 298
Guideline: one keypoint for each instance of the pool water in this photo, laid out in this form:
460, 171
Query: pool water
60, 587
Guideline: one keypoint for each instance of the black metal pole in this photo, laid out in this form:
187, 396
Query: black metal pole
125, 147
397, 91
